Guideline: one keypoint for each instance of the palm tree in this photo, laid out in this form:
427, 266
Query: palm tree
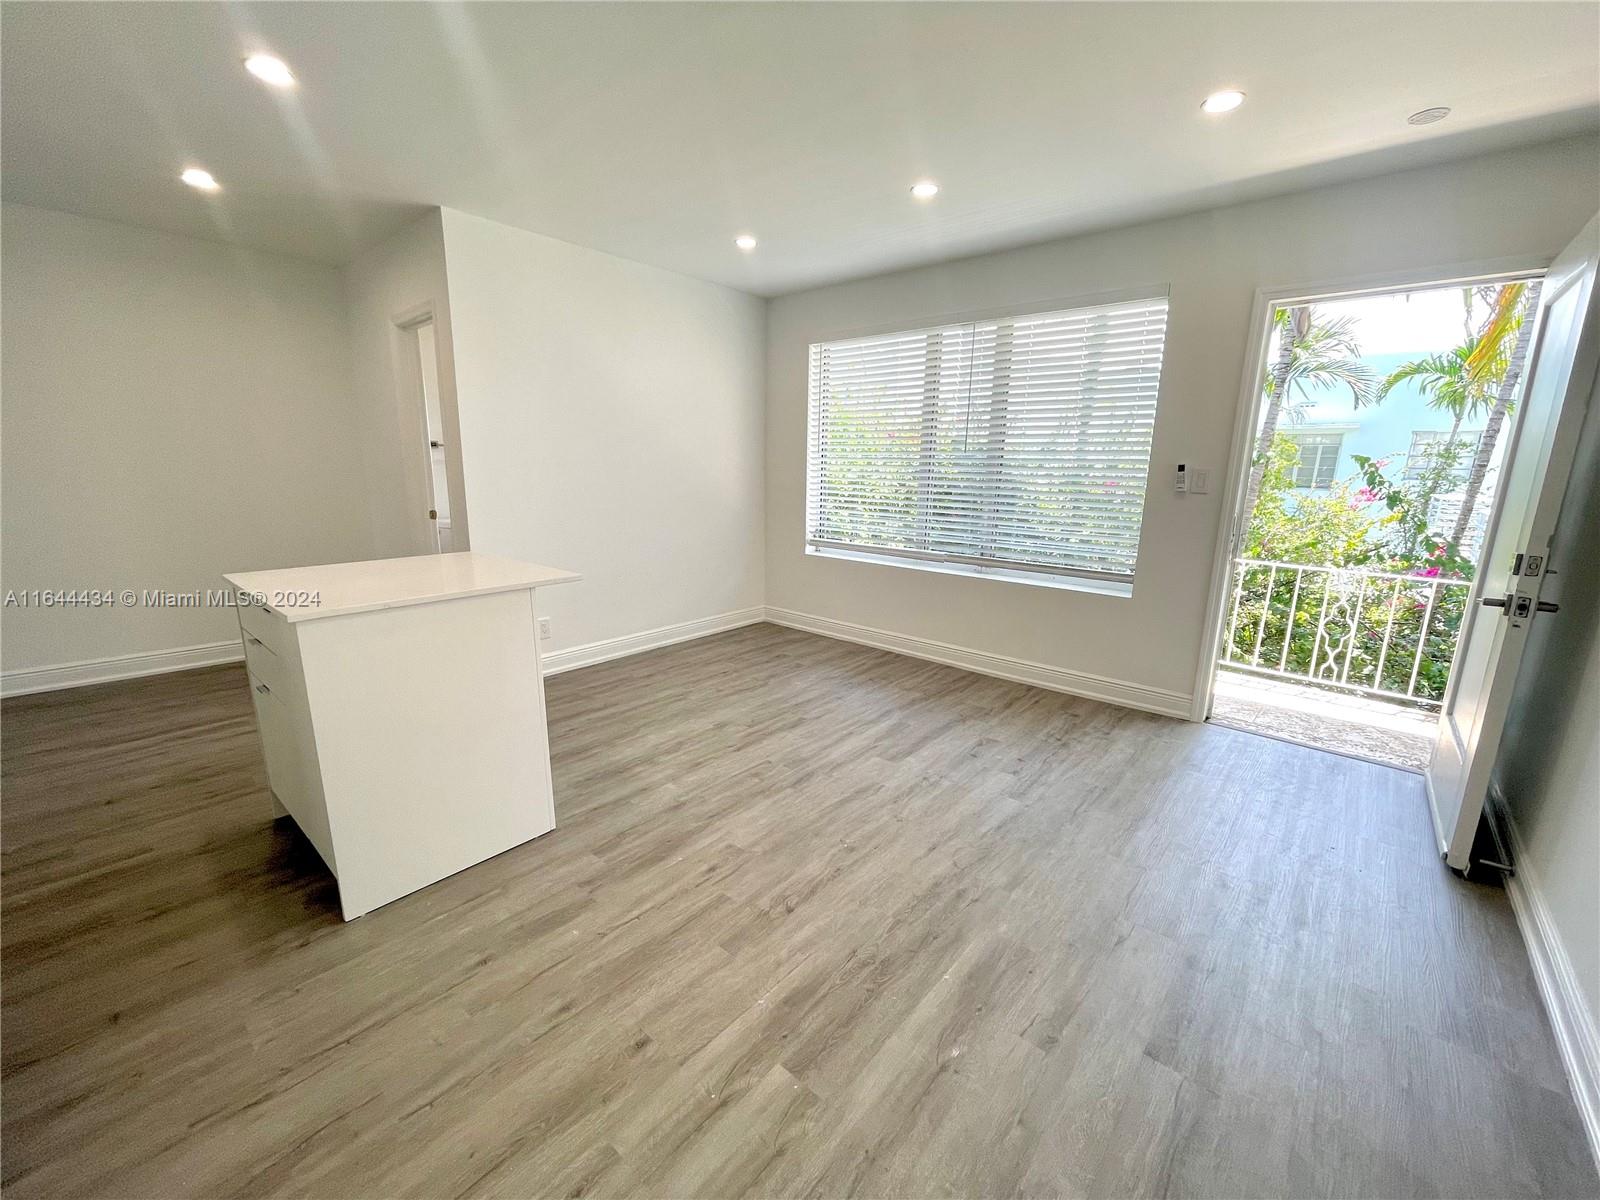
1475, 378
1508, 326
1447, 380
1312, 353
1454, 381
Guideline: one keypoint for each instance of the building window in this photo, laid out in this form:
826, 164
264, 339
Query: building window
1319, 457
1425, 447
1017, 446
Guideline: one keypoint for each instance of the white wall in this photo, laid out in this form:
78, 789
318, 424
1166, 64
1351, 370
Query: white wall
173, 409
1525, 202
397, 280
1549, 768
611, 423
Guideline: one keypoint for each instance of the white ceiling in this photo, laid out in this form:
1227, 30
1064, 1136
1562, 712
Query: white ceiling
659, 131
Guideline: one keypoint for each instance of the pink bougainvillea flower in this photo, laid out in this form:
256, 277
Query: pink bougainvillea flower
1366, 496
1427, 572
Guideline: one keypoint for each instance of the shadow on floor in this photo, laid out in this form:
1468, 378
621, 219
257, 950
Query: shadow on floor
1398, 735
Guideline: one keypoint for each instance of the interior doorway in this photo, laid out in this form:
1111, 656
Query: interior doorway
1380, 430
436, 468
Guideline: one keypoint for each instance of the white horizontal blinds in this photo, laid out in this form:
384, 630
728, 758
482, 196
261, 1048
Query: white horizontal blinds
1022, 442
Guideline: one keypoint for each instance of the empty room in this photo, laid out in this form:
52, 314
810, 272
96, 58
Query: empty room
678, 600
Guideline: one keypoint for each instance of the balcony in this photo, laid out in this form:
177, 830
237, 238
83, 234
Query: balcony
1349, 659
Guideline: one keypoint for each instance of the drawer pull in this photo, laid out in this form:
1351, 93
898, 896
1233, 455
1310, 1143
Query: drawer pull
263, 688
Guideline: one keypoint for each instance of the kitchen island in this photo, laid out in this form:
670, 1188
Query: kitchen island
401, 710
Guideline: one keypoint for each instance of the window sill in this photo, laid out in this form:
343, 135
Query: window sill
1062, 583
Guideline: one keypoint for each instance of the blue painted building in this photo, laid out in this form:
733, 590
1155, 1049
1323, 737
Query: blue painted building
1332, 431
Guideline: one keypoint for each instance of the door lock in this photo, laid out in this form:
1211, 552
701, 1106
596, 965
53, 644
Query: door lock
1520, 606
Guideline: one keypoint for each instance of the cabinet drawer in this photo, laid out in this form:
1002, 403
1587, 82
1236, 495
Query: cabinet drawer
267, 628
278, 746
265, 665
292, 766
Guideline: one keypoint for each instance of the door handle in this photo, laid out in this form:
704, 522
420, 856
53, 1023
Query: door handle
1549, 606
1495, 601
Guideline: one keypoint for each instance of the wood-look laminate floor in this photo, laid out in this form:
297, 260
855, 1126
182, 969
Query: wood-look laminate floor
815, 920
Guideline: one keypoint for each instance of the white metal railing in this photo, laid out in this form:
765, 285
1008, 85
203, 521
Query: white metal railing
1372, 632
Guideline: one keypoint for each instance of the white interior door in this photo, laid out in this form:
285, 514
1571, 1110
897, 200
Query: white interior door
1560, 375
436, 468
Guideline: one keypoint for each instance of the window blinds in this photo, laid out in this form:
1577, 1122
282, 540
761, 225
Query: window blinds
1021, 443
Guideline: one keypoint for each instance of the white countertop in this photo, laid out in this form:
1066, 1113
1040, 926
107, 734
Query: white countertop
338, 589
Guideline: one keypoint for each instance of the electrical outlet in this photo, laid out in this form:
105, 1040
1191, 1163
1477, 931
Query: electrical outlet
544, 629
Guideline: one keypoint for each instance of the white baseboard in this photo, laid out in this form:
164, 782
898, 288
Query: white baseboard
27, 680
1574, 1024
1077, 683
160, 662
1056, 679
651, 639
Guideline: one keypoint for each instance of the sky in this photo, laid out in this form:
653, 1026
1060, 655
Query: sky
1398, 326
1410, 323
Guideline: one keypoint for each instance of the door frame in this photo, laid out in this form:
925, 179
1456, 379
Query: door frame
1247, 414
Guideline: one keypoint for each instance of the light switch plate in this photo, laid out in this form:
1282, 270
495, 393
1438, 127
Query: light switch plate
1199, 481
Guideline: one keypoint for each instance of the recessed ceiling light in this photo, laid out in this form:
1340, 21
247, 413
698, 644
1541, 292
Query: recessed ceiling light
270, 69
1221, 102
196, 177
1427, 116
927, 189
745, 242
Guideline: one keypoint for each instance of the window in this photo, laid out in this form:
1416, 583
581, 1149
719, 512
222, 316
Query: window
1426, 443
1319, 456
1019, 444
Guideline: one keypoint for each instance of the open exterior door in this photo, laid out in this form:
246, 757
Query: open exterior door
1560, 377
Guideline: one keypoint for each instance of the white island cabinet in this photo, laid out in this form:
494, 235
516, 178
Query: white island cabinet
401, 711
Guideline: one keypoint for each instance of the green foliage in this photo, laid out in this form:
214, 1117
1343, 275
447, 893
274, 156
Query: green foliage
1287, 526
1345, 625
883, 478
1324, 355
870, 475
1496, 350
1405, 533
1448, 380
1370, 628
1475, 378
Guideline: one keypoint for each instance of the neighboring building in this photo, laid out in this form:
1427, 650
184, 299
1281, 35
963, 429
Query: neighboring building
1402, 429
